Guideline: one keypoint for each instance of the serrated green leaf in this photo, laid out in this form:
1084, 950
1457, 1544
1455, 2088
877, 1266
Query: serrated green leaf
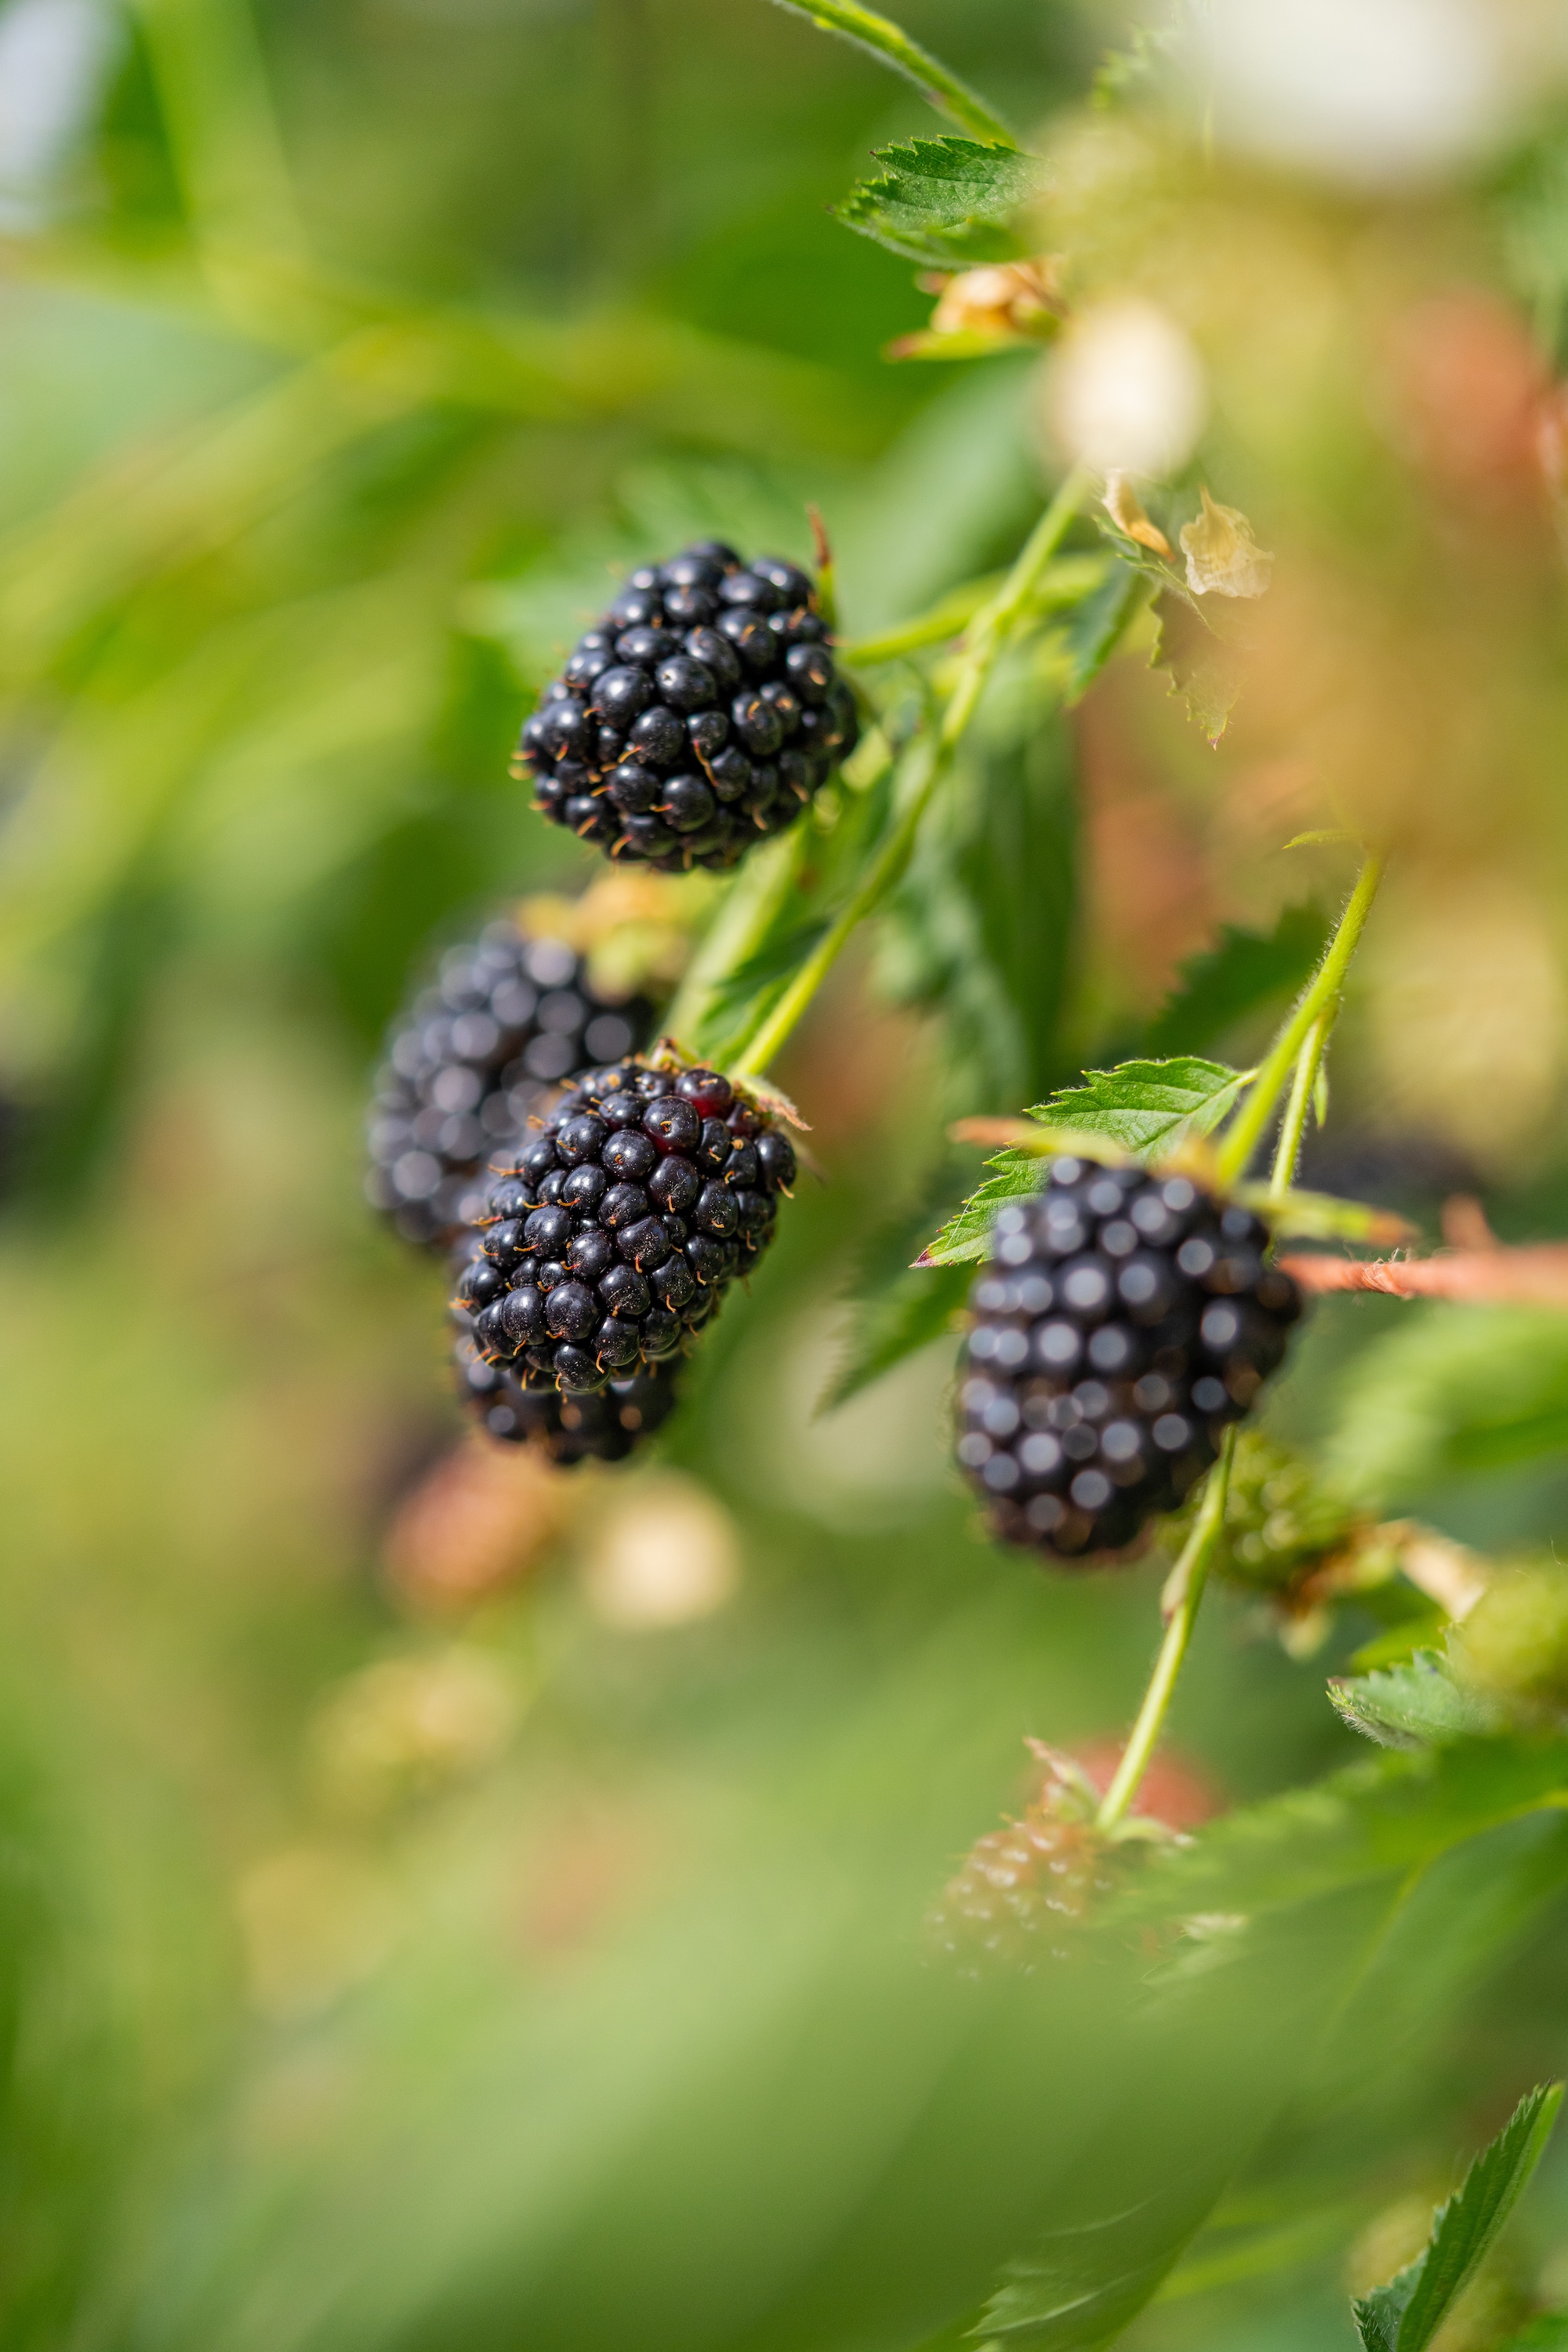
1414, 1705
1203, 668
1245, 973
966, 1236
1404, 2315
945, 202
1144, 1107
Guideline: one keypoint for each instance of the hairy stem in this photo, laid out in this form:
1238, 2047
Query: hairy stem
749, 909
1184, 1591
1309, 1062
888, 41
1241, 1138
930, 761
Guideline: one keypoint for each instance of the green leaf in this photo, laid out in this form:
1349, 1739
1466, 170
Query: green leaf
1547, 2333
1095, 627
1203, 669
1078, 2287
1382, 1816
1404, 2315
1139, 1107
1414, 1705
902, 1316
1243, 973
945, 202
1452, 1391
1146, 1107
966, 1236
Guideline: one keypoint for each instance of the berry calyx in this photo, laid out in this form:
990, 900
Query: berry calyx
702, 712
1125, 1316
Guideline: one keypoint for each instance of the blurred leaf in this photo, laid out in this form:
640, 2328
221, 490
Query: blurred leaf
1243, 974
1548, 2333
1404, 2315
1384, 1816
1096, 627
895, 1309
1146, 1107
1454, 1391
1078, 2287
1412, 1705
948, 203
1203, 668
1324, 1216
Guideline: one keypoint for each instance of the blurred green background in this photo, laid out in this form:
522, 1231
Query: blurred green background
548, 1973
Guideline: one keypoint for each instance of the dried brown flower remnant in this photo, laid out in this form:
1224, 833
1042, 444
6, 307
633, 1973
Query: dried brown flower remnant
1000, 302
1125, 509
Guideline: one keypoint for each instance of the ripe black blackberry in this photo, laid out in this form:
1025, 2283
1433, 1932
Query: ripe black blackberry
702, 712
620, 1225
1124, 1319
471, 1059
603, 1427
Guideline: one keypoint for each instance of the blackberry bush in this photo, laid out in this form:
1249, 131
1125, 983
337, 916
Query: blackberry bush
1124, 1319
702, 712
469, 1062
617, 1229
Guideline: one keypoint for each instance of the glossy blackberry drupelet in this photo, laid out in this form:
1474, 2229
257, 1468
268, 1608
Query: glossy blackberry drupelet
603, 1427
469, 1063
703, 712
1124, 1319
622, 1221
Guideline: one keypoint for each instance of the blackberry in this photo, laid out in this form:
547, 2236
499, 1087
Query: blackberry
471, 1059
1124, 1319
702, 712
620, 1223
603, 1427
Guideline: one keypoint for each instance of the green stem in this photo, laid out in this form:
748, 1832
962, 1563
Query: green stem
931, 758
1184, 1591
931, 77
1309, 1062
1241, 1138
742, 921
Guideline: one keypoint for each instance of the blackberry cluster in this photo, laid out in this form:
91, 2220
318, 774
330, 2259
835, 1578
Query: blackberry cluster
621, 1225
703, 712
1124, 1319
604, 1426
470, 1061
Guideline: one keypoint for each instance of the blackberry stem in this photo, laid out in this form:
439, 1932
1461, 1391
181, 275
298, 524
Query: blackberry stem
1179, 1605
930, 758
1309, 1062
935, 82
1241, 1139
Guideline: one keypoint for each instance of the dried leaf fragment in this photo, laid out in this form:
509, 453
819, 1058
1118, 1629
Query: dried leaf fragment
1224, 559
